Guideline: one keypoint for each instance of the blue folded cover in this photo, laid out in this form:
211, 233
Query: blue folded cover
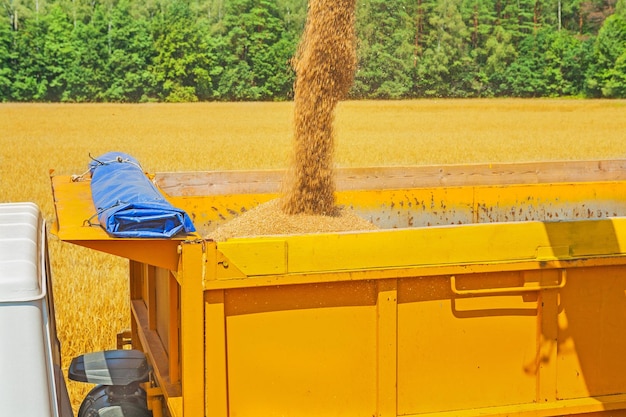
129, 204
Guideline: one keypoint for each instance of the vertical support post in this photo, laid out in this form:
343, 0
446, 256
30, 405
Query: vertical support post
191, 271
136, 277
173, 347
387, 322
150, 295
135, 287
547, 336
216, 366
215, 344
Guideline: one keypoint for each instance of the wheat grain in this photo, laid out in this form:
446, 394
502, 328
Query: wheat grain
324, 65
268, 219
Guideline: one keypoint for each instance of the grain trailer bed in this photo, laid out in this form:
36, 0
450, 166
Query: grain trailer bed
489, 290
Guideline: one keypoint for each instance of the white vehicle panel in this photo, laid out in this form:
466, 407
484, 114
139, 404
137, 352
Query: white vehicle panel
27, 368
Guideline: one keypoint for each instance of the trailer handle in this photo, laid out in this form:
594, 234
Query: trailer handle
508, 290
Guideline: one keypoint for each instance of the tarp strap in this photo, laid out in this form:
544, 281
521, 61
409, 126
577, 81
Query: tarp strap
99, 210
118, 159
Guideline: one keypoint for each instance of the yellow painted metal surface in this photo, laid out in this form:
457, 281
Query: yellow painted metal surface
304, 345
488, 299
417, 206
191, 327
74, 211
591, 322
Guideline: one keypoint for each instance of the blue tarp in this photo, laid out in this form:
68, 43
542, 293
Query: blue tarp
129, 204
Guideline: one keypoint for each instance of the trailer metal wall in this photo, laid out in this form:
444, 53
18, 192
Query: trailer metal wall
487, 295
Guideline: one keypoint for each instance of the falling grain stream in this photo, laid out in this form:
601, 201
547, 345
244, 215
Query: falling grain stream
325, 63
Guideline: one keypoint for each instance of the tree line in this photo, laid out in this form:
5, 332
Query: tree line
241, 50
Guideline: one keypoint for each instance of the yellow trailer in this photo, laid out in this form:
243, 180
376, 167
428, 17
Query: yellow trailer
489, 290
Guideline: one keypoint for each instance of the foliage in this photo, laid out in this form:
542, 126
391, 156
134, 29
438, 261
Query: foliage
6, 43
240, 50
256, 51
608, 71
386, 50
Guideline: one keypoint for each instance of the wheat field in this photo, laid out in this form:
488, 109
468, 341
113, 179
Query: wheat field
91, 288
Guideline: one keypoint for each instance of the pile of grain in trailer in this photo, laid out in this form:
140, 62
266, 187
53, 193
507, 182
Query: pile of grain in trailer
268, 219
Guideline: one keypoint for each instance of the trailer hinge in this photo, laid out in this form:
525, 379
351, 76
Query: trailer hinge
154, 399
124, 338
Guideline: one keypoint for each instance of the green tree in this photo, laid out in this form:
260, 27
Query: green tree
6, 70
19, 11
185, 50
130, 52
496, 56
566, 59
87, 75
480, 16
519, 17
489, 48
57, 52
607, 75
386, 50
29, 81
214, 10
550, 63
79, 10
182, 63
294, 15
255, 53
445, 69
525, 76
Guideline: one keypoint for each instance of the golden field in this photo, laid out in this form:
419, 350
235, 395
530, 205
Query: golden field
90, 288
